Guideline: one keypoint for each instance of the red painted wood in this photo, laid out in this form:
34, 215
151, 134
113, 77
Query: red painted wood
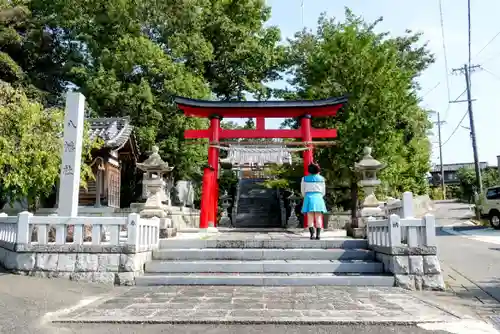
261, 123
305, 127
205, 197
270, 133
281, 112
213, 160
209, 199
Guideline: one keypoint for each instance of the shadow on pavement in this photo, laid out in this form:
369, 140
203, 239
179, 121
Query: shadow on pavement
483, 298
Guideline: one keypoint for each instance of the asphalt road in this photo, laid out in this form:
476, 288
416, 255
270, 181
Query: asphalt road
470, 253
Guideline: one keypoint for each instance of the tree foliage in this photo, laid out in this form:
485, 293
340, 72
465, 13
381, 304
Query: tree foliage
130, 58
467, 182
377, 72
30, 148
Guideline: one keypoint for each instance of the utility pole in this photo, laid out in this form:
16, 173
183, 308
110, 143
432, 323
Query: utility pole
466, 71
439, 123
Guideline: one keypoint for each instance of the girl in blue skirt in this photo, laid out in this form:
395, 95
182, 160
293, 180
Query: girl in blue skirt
313, 190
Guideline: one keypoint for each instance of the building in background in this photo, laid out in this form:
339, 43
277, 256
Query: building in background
450, 172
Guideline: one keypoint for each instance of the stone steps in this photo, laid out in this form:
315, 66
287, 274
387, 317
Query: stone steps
151, 279
268, 266
302, 243
260, 259
262, 254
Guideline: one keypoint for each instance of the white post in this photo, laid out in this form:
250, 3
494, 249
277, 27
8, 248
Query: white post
369, 231
133, 221
394, 231
23, 222
69, 185
430, 230
407, 204
60, 230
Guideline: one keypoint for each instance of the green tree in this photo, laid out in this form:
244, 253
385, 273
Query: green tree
246, 55
467, 182
30, 148
29, 55
249, 124
131, 58
378, 74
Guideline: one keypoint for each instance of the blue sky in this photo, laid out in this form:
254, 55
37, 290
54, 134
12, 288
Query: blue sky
424, 16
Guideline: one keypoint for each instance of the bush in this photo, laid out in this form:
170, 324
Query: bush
436, 194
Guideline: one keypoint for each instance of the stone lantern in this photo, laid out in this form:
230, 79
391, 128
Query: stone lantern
225, 220
368, 168
293, 221
155, 170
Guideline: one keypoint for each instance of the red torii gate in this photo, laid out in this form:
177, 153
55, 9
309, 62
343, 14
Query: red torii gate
216, 110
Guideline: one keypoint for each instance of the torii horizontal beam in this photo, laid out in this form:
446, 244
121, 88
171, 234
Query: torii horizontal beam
257, 109
265, 133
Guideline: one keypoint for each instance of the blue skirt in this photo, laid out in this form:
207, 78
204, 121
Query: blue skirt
314, 202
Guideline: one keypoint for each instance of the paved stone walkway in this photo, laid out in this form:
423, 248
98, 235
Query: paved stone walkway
293, 305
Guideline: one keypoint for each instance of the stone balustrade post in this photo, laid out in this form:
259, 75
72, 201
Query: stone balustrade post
23, 221
430, 230
133, 231
408, 211
394, 231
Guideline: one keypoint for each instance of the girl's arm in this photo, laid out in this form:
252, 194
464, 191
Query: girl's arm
302, 187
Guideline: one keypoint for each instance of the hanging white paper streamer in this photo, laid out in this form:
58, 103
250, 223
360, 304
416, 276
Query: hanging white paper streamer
260, 155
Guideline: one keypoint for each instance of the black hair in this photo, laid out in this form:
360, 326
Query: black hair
313, 169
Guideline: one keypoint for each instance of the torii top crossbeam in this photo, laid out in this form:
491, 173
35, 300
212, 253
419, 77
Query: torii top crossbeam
261, 111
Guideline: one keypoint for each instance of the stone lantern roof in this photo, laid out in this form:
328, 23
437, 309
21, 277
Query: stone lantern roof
154, 163
368, 163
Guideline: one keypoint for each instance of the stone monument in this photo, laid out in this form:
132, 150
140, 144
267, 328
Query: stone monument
367, 167
156, 204
71, 161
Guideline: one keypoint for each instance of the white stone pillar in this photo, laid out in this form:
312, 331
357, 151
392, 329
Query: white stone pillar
69, 184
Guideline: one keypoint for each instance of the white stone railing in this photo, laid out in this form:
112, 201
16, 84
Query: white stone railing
400, 232
401, 207
8, 228
56, 230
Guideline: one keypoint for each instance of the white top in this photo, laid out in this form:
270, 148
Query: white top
311, 187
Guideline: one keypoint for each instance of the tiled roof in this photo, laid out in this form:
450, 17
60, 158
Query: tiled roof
113, 131
456, 167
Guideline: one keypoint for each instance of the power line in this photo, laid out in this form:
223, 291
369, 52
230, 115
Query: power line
487, 44
449, 104
302, 12
490, 58
431, 90
455, 130
491, 73
444, 50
